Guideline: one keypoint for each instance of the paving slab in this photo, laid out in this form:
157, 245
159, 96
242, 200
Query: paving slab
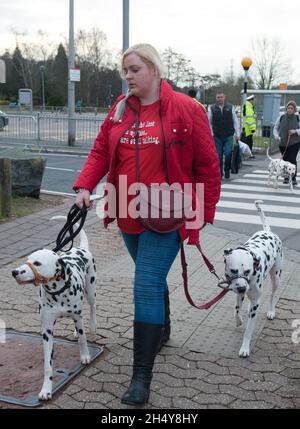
203, 351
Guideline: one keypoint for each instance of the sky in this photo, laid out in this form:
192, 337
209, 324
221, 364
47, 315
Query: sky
214, 35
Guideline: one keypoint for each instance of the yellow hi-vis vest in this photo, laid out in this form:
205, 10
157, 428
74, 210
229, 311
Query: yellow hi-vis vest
250, 127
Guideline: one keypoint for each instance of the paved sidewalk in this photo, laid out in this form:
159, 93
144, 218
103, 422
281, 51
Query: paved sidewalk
200, 367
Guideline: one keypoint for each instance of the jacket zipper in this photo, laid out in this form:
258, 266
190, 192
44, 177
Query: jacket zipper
164, 143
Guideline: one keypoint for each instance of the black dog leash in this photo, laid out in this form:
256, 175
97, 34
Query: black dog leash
75, 215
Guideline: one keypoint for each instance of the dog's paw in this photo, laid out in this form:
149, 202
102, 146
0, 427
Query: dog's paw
244, 352
238, 320
271, 315
85, 359
75, 334
45, 395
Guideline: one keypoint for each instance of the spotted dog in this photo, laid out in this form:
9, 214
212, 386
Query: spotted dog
246, 268
279, 168
64, 278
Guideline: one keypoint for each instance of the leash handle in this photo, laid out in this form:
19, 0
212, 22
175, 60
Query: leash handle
211, 268
75, 215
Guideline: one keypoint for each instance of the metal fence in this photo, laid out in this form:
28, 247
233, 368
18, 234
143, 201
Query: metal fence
263, 137
50, 129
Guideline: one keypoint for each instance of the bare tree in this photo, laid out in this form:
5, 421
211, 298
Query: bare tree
92, 55
28, 52
269, 63
178, 68
91, 46
193, 78
19, 61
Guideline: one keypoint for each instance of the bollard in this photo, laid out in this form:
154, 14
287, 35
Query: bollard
5, 186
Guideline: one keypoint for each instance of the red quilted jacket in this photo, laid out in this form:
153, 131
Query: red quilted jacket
190, 150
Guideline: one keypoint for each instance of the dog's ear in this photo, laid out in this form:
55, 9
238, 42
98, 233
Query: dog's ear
228, 252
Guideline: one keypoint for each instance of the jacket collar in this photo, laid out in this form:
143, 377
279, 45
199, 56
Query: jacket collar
166, 93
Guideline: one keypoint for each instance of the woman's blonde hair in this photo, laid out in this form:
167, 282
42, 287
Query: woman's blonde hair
149, 55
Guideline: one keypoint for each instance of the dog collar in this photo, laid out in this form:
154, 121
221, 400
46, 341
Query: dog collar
38, 278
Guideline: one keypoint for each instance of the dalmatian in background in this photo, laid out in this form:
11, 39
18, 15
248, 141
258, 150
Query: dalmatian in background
246, 268
64, 278
280, 168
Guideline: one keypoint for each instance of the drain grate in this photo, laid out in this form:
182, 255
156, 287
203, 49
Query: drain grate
22, 366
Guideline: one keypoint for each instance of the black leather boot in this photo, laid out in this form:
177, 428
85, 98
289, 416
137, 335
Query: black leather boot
146, 337
167, 326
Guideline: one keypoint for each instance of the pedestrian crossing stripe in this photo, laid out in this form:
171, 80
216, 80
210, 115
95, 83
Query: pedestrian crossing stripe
261, 171
266, 207
269, 189
262, 176
258, 196
255, 220
244, 190
281, 186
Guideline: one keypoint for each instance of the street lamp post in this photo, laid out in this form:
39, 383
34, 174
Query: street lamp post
246, 63
125, 35
42, 69
71, 83
109, 97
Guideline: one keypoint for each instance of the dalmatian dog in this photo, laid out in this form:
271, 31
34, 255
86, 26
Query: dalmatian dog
279, 168
246, 268
65, 278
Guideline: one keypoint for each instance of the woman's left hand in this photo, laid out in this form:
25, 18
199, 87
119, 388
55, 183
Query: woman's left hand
291, 132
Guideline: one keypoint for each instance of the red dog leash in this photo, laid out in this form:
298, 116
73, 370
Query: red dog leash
211, 269
287, 143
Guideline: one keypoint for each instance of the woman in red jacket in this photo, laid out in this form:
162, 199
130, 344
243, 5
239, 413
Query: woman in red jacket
174, 146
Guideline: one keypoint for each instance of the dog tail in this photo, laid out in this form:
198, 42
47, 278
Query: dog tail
82, 235
264, 221
271, 159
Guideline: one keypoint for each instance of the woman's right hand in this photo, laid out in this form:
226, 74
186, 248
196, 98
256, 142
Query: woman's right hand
83, 197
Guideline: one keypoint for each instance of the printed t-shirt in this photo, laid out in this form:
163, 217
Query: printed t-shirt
151, 165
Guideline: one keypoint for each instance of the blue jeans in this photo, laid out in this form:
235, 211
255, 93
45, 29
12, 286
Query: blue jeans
224, 148
153, 255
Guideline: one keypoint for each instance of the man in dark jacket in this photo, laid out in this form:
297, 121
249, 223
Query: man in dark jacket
224, 125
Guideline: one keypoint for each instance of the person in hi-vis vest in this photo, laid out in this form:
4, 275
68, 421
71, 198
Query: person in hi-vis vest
250, 125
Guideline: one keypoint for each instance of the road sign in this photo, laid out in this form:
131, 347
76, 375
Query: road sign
25, 97
75, 75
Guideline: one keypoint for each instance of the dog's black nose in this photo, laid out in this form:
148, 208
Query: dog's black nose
241, 289
15, 273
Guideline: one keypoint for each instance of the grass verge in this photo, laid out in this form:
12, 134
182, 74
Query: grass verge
24, 206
